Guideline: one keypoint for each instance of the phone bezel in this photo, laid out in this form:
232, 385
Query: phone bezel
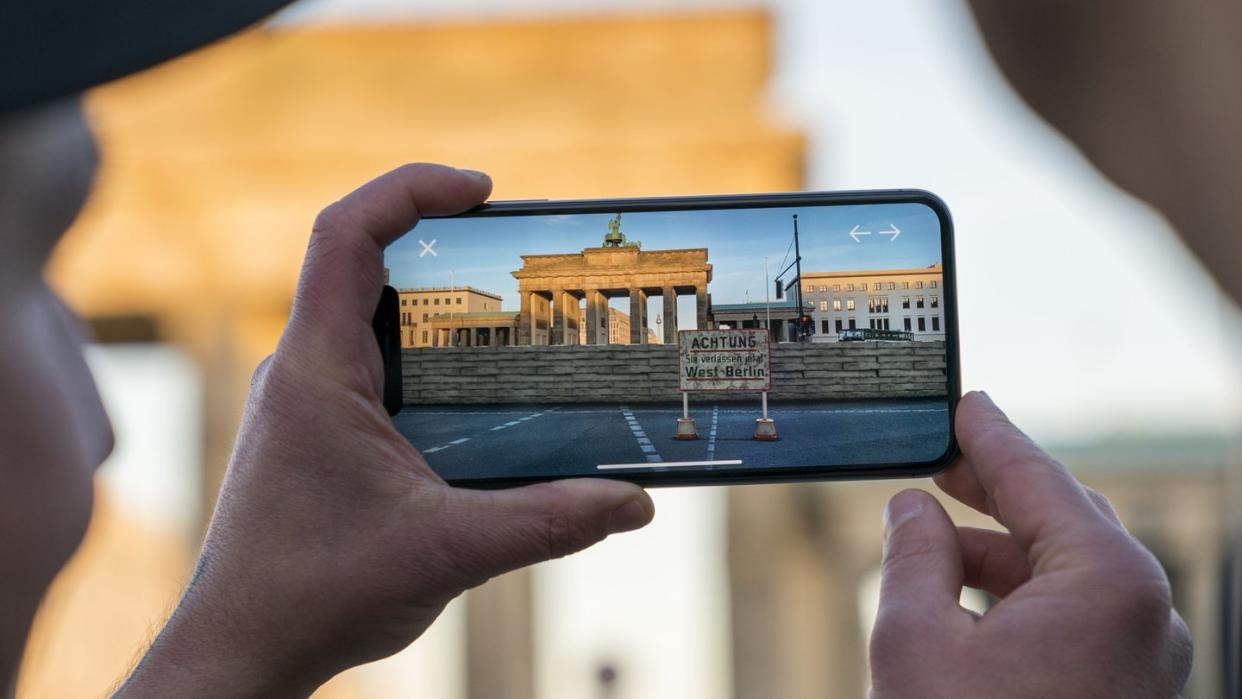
735, 476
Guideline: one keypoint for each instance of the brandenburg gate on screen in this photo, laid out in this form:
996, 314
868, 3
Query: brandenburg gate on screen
553, 286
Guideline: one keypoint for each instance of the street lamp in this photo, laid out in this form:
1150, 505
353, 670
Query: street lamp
659, 335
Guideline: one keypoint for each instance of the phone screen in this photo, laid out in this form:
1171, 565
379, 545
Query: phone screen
767, 338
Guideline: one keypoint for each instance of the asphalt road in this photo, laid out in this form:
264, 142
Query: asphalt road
577, 439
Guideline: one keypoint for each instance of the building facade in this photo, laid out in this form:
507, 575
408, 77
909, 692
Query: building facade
909, 300
778, 316
420, 307
618, 328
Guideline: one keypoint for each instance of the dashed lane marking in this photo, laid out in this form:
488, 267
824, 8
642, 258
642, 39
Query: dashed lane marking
649, 451
711, 435
463, 440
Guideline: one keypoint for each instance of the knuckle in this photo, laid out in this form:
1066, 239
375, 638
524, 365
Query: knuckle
565, 535
260, 371
909, 551
567, 531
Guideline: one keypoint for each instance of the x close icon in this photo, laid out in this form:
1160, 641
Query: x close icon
427, 248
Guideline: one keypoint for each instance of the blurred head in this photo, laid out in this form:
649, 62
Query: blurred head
53, 430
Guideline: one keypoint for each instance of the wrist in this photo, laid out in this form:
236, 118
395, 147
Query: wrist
212, 648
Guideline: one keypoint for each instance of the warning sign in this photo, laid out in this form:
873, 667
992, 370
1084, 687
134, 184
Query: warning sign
724, 360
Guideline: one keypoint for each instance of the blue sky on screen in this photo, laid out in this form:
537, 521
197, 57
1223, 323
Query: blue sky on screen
483, 252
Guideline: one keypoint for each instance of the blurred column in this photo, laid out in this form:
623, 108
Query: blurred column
794, 597
499, 652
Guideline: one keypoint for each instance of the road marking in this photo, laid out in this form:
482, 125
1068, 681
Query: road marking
711, 435
497, 428
643, 442
726, 462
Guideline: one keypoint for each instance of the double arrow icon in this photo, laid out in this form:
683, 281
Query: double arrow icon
893, 231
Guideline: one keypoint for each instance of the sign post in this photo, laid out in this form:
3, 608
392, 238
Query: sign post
721, 361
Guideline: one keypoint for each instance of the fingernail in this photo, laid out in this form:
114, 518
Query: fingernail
628, 517
476, 173
902, 508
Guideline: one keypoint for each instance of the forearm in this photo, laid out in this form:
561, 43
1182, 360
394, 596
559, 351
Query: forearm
204, 650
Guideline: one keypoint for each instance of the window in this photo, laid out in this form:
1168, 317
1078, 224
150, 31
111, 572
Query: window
878, 286
437, 302
879, 323
905, 285
403, 301
933, 283
935, 302
849, 304
836, 287
907, 322
838, 325
849, 287
823, 305
918, 285
935, 324
836, 304
877, 304
424, 317
852, 324
905, 302
424, 302
424, 336
822, 288
892, 285
918, 301
823, 325
458, 300
922, 324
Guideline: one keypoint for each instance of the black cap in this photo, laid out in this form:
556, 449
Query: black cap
55, 48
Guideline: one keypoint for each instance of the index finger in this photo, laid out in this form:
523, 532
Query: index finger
1042, 505
343, 271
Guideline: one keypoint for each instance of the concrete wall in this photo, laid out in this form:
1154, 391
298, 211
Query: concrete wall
648, 373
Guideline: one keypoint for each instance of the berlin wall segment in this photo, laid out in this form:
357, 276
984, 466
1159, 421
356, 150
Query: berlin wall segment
649, 373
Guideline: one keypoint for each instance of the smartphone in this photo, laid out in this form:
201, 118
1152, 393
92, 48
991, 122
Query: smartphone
676, 340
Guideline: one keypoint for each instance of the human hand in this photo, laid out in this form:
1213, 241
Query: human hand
1084, 608
333, 543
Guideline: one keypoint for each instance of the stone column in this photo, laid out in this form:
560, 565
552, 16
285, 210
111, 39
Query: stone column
638, 317
556, 329
592, 318
670, 315
525, 319
701, 307
474, 337
493, 337
569, 304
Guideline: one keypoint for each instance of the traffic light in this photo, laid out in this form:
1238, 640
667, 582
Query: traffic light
780, 290
808, 325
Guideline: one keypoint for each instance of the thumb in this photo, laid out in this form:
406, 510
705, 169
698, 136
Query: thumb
509, 529
922, 574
